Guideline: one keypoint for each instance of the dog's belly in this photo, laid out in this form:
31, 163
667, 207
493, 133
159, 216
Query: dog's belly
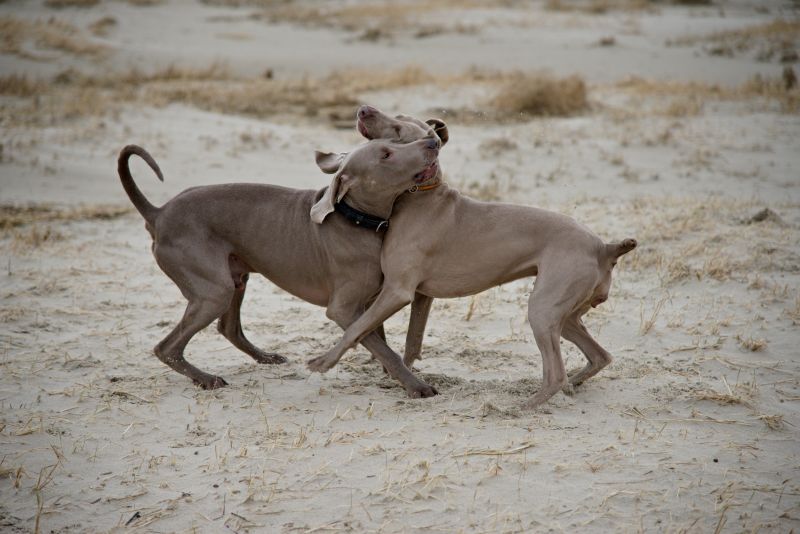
454, 279
315, 294
293, 273
466, 285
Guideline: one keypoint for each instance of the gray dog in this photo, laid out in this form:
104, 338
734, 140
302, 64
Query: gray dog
443, 245
208, 240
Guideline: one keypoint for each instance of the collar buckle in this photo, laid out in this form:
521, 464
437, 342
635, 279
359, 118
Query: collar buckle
428, 187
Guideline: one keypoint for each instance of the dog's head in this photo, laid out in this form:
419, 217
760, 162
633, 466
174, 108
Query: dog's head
376, 169
372, 123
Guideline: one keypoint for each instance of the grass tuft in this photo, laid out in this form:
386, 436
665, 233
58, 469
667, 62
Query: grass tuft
751, 344
52, 34
59, 4
527, 95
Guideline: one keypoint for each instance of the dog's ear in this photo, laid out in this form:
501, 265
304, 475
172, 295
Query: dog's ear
440, 129
335, 192
329, 162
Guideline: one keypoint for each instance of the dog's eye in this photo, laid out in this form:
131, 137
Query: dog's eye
386, 155
397, 130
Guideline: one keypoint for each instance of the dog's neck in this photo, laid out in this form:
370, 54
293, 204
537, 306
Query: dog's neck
379, 206
427, 185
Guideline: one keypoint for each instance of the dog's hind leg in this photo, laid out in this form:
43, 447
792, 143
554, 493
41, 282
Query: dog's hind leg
230, 323
598, 358
208, 287
558, 292
200, 312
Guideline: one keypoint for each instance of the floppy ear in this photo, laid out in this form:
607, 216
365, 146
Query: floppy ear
328, 161
335, 192
440, 129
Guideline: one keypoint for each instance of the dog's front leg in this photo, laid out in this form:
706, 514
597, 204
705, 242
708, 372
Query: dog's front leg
389, 301
420, 308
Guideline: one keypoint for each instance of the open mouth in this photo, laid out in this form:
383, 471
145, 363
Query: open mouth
362, 129
427, 173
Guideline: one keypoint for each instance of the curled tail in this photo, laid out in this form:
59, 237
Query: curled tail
615, 250
143, 205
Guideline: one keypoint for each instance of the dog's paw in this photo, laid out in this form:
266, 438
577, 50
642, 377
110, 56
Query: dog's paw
540, 398
268, 358
320, 364
210, 382
421, 391
568, 389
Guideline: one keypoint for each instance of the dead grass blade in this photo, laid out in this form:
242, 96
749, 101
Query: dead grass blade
495, 452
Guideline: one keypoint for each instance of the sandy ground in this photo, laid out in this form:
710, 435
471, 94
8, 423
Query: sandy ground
693, 428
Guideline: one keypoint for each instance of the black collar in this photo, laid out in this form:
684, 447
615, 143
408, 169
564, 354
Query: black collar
359, 218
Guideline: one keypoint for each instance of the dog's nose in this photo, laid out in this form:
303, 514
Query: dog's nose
433, 144
366, 111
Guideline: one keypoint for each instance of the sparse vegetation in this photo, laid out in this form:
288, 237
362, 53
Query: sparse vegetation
597, 7
751, 344
688, 98
51, 34
369, 20
19, 85
743, 394
498, 145
12, 216
34, 236
648, 320
776, 40
526, 95
58, 4
333, 96
101, 27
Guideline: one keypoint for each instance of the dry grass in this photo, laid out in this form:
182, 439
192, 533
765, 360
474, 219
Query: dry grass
526, 95
597, 7
772, 40
793, 313
516, 95
751, 344
739, 394
34, 236
73, 95
772, 89
334, 96
19, 85
717, 266
58, 4
52, 34
102, 27
773, 422
648, 321
371, 20
12, 216
688, 98
706, 239
686, 106
135, 77
497, 145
